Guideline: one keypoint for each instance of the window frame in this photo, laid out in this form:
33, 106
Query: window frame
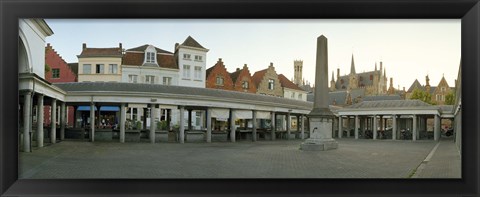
89, 68
271, 83
99, 68
150, 79
169, 80
186, 72
55, 75
197, 73
111, 66
221, 79
131, 77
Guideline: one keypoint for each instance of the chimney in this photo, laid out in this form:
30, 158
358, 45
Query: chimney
271, 64
404, 88
84, 46
338, 73
238, 69
220, 59
244, 65
120, 45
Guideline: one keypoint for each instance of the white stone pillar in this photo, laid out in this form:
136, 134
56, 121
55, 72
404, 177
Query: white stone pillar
92, 121
62, 121
289, 124
209, 125
302, 128
414, 134
232, 125
122, 122
436, 128
254, 125
274, 126
394, 127
40, 120
152, 123
349, 126
375, 127
339, 127
53, 124
27, 111
182, 122
357, 122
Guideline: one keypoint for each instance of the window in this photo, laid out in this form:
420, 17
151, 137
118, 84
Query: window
55, 73
132, 78
167, 81
150, 57
198, 72
371, 77
87, 69
439, 97
293, 95
198, 118
150, 79
113, 68
245, 85
220, 80
186, 71
271, 84
186, 56
198, 58
443, 89
300, 96
99, 69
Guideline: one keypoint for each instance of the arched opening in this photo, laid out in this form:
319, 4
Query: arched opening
23, 66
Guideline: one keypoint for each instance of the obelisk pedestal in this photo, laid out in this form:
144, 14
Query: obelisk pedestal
321, 118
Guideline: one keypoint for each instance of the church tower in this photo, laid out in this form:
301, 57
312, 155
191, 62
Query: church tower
297, 76
332, 83
375, 80
353, 83
391, 90
427, 85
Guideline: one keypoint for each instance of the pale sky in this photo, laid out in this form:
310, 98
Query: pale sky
409, 49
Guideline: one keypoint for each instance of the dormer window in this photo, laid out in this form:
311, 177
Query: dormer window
150, 55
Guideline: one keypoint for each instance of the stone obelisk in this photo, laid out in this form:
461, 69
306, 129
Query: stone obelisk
321, 118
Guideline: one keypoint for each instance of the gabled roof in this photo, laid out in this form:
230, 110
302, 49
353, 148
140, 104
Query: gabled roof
137, 59
287, 83
235, 74
144, 47
390, 104
73, 67
101, 52
192, 43
258, 76
417, 85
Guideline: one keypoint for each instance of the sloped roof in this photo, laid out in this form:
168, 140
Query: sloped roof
176, 90
137, 59
258, 76
417, 85
144, 47
192, 43
287, 83
382, 98
363, 79
101, 52
390, 104
235, 75
73, 67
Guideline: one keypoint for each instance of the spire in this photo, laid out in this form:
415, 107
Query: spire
333, 76
375, 66
352, 68
385, 72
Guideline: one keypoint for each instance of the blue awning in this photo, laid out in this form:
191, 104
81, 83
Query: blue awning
102, 108
85, 108
109, 108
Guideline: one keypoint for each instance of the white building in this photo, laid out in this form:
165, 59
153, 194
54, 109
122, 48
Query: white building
291, 90
100, 64
191, 58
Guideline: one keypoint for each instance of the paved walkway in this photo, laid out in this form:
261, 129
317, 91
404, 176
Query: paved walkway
444, 162
262, 159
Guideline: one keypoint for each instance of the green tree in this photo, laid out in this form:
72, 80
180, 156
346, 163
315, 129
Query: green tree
450, 98
47, 68
418, 94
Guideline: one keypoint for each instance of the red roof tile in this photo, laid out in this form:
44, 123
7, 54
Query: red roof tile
258, 76
101, 52
287, 83
136, 59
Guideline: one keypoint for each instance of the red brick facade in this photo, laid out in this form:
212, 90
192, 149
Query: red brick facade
55, 61
241, 76
218, 71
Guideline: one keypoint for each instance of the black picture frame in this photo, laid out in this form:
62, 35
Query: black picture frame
467, 10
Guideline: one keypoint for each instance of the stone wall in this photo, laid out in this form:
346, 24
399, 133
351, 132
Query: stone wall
262, 87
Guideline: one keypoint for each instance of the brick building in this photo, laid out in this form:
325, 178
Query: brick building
267, 82
242, 80
59, 71
218, 77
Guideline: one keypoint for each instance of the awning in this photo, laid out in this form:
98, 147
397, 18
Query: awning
220, 113
263, 115
85, 108
243, 114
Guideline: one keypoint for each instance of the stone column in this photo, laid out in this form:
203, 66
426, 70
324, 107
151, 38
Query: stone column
340, 127
182, 127
273, 126
209, 125
349, 126
232, 125
357, 122
375, 127
362, 126
394, 127
40, 121
92, 121
122, 122
414, 129
254, 125
53, 124
62, 121
152, 123
289, 125
27, 112
302, 128
436, 128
